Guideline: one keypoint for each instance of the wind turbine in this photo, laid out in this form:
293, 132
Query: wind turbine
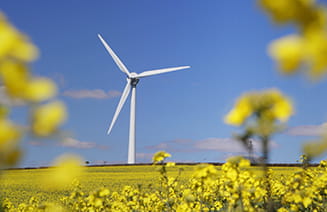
132, 80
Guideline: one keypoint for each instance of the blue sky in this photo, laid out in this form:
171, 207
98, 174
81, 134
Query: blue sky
225, 43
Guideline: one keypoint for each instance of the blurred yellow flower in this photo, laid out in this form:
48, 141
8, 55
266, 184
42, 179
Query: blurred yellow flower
316, 47
10, 152
299, 11
267, 105
282, 109
16, 51
188, 195
280, 10
17, 83
244, 163
8, 134
47, 118
232, 174
315, 148
66, 169
282, 209
235, 159
288, 52
3, 112
12, 157
309, 47
52, 207
281, 106
205, 171
160, 156
306, 201
171, 164
104, 192
13, 44
240, 112
15, 77
40, 89
24, 50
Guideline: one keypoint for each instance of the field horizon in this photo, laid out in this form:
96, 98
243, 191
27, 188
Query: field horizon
297, 164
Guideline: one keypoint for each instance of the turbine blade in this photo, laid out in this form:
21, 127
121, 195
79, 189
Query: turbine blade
120, 104
119, 63
160, 71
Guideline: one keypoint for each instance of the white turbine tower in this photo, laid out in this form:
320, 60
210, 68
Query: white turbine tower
132, 80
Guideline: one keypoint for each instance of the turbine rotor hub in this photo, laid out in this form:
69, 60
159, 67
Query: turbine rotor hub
133, 75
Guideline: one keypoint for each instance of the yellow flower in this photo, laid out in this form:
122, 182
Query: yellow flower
282, 108
288, 52
314, 149
8, 134
240, 112
282, 209
15, 78
310, 46
296, 197
17, 83
316, 47
51, 207
188, 195
24, 50
306, 201
98, 202
244, 163
294, 207
7, 36
170, 164
268, 105
280, 10
160, 156
205, 171
47, 118
235, 159
232, 174
14, 44
291, 10
10, 152
104, 192
66, 169
3, 112
40, 89
12, 157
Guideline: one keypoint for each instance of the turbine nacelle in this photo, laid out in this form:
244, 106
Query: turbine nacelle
134, 81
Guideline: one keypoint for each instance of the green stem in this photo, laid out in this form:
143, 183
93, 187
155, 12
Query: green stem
265, 152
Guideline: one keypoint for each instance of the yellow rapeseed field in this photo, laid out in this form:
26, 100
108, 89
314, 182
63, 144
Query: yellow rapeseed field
234, 186
20, 185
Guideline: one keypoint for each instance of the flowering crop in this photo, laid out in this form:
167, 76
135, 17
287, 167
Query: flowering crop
234, 186
22, 184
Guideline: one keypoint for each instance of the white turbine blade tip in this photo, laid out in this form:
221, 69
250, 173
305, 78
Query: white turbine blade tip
119, 63
120, 105
182, 67
161, 71
100, 37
